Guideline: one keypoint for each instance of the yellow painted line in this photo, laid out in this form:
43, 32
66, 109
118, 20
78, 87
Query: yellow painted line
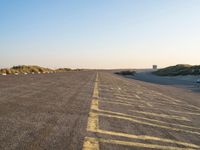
148, 119
119, 103
182, 112
168, 97
176, 106
148, 123
193, 106
96, 91
148, 104
176, 111
181, 102
96, 88
144, 137
141, 145
124, 100
90, 144
162, 115
164, 102
131, 99
95, 104
93, 127
93, 120
137, 96
123, 97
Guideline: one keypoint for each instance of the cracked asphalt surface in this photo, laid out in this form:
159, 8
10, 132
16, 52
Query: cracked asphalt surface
90, 110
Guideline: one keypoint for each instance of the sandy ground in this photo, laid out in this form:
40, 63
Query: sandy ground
188, 82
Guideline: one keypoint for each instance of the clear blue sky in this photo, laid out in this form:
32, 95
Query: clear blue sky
99, 33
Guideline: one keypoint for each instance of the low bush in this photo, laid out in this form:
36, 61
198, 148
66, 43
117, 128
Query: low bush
127, 72
63, 69
178, 70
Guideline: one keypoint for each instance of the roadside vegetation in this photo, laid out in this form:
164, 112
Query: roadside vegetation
63, 69
126, 72
23, 69
178, 70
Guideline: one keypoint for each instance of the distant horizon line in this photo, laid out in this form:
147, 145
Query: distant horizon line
120, 68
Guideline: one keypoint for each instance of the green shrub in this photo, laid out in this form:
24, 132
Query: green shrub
178, 70
127, 72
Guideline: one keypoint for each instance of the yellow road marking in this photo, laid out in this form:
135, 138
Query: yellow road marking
156, 101
119, 103
148, 104
93, 120
95, 104
143, 100
96, 88
168, 98
180, 102
130, 118
96, 91
162, 115
90, 144
190, 113
137, 96
176, 106
123, 100
147, 123
144, 137
193, 106
176, 111
136, 144
147, 119
93, 126
131, 100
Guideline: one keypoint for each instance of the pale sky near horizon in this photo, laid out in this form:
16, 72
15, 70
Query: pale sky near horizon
99, 33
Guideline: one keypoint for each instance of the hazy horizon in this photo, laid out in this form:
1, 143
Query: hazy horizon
99, 34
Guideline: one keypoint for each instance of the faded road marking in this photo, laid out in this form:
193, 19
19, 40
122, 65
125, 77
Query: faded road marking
96, 90
176, 111
120, 103
90, 144
162, 115
144, 137
148, 123
94, 128
148, 119
93, 143
137, 96
136, 144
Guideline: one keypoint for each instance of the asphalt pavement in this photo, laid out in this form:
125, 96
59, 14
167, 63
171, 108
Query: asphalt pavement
93, 110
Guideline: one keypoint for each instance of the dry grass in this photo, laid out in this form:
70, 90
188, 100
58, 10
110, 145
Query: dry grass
25, 69
178, 70
63, 69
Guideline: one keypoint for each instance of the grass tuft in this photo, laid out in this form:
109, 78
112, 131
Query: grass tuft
25, 69
180, 69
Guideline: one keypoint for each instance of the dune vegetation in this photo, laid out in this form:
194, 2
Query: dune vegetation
180, 69
25, 69
63, 69
126, 72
